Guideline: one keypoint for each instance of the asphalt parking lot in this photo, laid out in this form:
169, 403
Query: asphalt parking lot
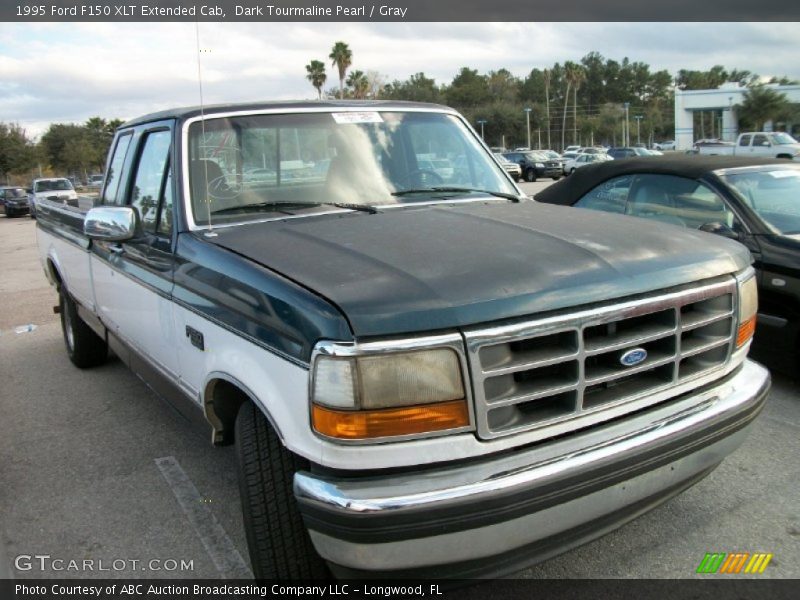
96, 467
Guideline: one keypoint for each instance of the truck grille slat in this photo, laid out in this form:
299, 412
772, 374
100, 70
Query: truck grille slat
533, 374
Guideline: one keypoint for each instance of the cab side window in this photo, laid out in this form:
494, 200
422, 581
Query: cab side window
744, 140
111, 193
152, 187
760, 140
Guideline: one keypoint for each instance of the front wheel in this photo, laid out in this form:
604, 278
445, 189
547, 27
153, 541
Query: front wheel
279, 544
530, 175
84, 347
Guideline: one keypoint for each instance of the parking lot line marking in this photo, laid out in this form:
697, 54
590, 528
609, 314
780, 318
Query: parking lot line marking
220, 548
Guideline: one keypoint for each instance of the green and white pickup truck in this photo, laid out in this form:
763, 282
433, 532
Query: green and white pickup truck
423, 371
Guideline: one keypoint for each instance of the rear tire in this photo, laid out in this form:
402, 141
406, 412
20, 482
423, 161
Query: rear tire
279, 544
85, 348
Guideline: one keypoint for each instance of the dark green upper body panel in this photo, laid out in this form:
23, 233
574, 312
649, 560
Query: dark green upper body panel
427, 268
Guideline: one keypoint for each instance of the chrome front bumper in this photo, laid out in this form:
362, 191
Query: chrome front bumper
496, 515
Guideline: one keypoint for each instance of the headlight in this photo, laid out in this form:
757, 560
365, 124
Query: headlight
388, 394
748, 307
540, 165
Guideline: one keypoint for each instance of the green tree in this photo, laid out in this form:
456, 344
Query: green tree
467, 89
341, 57
17, 152
359, 83
417, 88
761, 104
315, 73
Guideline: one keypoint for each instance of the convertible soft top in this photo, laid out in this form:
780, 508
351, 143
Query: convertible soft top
569, 190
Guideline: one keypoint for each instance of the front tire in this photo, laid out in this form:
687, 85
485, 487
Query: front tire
84, 347
530, 175
279, 544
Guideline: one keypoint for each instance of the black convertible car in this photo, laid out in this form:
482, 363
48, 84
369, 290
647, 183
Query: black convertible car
754, 201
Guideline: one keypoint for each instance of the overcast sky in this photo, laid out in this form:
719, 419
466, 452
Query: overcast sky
67, 72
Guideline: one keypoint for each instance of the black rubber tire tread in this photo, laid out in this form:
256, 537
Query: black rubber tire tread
279, 544
530, 175
89, 349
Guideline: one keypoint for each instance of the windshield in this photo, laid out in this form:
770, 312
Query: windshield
15, 193
783, 138
52, 185
773, 193
244, 166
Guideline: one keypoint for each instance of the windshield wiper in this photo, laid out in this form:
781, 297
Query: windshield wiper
512, 197
260, 206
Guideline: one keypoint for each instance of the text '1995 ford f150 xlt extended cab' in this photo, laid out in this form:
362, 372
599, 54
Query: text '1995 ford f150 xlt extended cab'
424, 372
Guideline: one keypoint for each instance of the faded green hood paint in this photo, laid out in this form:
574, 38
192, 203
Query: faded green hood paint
429, 268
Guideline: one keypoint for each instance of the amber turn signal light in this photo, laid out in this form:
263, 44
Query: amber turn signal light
389, 422
746, 331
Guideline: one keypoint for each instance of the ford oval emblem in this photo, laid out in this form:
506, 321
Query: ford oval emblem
633, 357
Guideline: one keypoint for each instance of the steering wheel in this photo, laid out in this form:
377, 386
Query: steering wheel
423, 178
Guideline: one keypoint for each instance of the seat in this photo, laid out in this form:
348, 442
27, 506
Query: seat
652, 202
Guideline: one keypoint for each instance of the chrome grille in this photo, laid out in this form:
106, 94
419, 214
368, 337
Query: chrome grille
534, 374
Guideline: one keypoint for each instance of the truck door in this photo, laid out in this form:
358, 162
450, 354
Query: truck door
133, 279
761, 145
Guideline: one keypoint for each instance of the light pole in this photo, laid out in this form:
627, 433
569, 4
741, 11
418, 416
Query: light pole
481, 122
627, 140
638, 122
528, 122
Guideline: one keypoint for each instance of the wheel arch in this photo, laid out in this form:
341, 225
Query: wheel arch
53, 270
222, 397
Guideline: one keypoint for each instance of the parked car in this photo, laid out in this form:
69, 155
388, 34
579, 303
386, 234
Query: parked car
753, 201
535, 165
627, 152
755, 143
581, 160
592, 150
442, 379
13, 201
57, 189
553, 155
572, 149
665, 145
95, 182
512, 168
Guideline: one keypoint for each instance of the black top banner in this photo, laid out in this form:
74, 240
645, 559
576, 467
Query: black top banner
398, 10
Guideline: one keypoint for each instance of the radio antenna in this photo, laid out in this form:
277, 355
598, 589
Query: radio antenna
210, 232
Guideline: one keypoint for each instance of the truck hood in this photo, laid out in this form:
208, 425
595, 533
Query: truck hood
428, 268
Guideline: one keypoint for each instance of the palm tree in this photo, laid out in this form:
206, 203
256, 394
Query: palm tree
578, 77
316, 75
360, 84
761, 104
569, 76
341, 57
547, 75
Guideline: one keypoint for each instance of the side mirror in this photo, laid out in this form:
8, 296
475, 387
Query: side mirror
765, 144
718, 228
112, 223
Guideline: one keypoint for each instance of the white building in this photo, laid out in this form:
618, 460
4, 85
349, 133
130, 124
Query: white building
723, 99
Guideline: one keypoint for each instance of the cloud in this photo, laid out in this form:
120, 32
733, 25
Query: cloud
71, 71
